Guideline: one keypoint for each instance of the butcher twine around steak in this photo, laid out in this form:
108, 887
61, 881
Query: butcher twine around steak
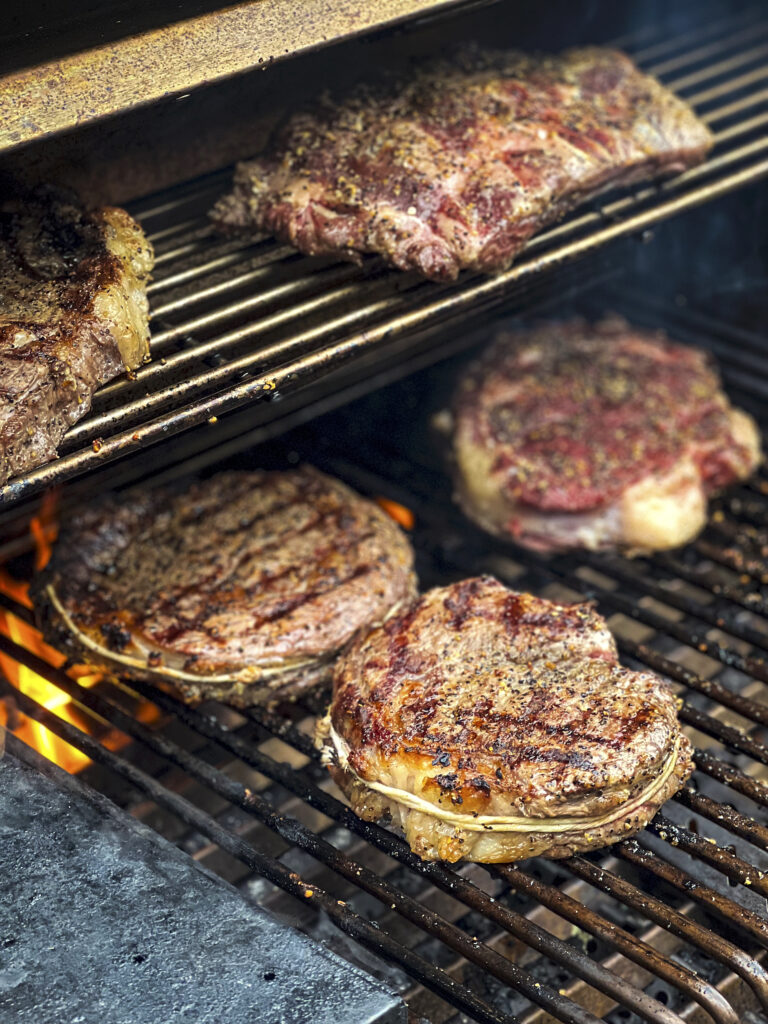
73, 315
241, 588
461, 165
493, 726
572, 435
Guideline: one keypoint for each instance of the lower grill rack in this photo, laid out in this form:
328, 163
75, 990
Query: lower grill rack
665, 927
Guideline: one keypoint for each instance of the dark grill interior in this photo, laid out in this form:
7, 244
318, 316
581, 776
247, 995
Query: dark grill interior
671, 923
234, 322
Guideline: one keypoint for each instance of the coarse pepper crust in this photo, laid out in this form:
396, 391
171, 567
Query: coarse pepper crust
488, 702
459, 166
241, 587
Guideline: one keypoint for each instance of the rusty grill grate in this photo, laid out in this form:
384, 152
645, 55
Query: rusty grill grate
667, 927
237, 322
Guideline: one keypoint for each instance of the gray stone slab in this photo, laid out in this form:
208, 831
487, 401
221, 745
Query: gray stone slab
104, 922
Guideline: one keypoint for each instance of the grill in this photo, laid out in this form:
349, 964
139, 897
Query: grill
225, 314
252, 342
666, 927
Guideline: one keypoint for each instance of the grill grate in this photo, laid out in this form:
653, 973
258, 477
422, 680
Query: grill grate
225, 313
665, 927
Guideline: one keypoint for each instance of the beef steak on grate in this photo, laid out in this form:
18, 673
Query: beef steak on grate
578, 435
493, 726
73, 315
243, 587
461, 165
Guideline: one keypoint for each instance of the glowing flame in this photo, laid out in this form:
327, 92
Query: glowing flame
402, 515
44, 529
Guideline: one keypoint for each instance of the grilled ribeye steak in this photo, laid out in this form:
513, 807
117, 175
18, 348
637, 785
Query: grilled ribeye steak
573, 435
460, 166
73, 315
242, 587
493, 726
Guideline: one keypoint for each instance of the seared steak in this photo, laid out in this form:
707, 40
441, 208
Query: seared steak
461, 165
494, 726
243, 587
73, 315
572, 435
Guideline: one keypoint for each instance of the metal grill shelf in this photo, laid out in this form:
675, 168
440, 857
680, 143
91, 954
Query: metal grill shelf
672, 924
235, 323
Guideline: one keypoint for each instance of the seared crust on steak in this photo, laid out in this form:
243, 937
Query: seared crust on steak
461, 165
242, 587
492, 726
73, 315
578, 435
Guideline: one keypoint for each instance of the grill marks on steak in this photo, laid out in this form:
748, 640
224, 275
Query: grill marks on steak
460, 166
235, 577
73, 315
514, 706
564, 433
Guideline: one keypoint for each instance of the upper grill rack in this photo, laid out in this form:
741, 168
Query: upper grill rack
668, 921
234, 322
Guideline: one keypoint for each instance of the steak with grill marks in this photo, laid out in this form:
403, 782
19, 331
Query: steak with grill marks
492, 726
243, 587
573, 435
73, 315
461, 165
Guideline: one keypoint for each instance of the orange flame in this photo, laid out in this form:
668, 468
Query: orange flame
402, 515
44, 529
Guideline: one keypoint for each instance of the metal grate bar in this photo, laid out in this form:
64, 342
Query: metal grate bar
697, 33
733, 777
671, 920
639, 952
703, 53
726, 862
730, 912
716, 70
721, 814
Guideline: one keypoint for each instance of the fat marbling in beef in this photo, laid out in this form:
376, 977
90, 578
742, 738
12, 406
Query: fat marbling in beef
578, 435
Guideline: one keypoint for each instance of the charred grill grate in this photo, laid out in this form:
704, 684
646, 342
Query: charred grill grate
234, 323
667, 927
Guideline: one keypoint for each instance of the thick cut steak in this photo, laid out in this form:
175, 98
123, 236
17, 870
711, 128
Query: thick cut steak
458, 167
73, 315
242, 587
579, 435
492, 726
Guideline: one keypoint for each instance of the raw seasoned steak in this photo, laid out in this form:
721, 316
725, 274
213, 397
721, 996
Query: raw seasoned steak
73, 315
243, 587
461, 165
493, 726
572, 435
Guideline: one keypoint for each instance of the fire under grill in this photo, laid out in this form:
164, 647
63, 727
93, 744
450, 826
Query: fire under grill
237, 323
665, 927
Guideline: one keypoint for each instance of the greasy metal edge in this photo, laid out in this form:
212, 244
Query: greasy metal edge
84, 87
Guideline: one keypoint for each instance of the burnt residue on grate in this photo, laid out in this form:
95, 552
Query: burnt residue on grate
103, 921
